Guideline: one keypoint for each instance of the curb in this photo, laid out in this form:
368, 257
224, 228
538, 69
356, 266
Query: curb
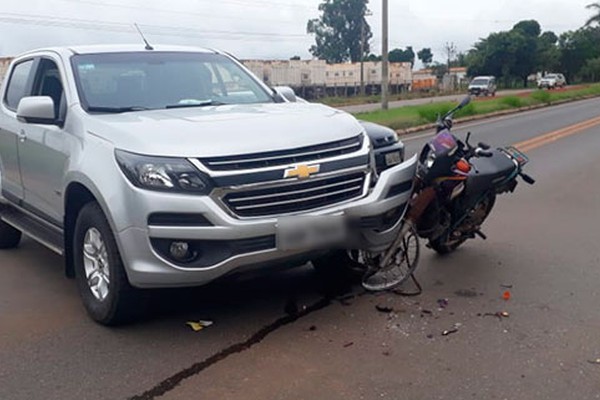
420, 128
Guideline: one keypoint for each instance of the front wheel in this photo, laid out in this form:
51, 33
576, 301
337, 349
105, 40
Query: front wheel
103, 286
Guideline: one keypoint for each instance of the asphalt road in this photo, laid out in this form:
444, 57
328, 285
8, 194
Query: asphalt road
542, 247
425, 100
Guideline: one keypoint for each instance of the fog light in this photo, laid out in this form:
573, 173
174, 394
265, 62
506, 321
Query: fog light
180, 251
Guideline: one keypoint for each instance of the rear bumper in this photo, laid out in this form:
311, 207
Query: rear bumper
231, 245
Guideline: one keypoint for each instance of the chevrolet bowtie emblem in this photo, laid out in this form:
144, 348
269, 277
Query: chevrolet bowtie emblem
302, 171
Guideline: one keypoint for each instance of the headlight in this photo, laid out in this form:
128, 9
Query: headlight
430, 160
162, 173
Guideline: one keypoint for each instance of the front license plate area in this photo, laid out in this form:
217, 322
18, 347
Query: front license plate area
393, 158
517, 155
307, 232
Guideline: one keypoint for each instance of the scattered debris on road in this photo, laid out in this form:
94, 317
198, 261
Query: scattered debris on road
506, 286
499, 315
595, 362
312, 328
349, 344
506, 295
197, 326
443, 303
384, 309
450, 332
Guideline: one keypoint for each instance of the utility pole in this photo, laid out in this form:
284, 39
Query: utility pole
384, 50
362, 52
450, 52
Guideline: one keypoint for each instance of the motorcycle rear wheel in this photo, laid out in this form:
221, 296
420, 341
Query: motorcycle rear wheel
444, 246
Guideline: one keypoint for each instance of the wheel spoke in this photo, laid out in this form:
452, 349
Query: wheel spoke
96, 264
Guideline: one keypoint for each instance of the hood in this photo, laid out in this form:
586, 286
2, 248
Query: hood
224, 130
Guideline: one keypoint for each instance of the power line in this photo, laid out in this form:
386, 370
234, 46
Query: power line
172, 11
161, 30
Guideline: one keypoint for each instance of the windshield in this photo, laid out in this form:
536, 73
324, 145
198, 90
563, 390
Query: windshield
550, 77
120, 82
480, 82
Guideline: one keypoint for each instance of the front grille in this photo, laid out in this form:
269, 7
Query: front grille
284, 157
294, 197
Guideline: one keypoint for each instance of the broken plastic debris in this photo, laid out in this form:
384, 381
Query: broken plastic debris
595, 362
348, 344
449, 332
506, 286
197, 326
443, 303
506, 295
499, 315
384, 309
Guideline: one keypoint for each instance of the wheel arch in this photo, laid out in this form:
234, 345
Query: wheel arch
77, 195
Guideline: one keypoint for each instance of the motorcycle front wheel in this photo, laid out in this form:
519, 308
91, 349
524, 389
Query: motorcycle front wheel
402, 265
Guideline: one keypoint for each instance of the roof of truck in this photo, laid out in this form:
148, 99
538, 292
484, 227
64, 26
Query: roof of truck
122, 48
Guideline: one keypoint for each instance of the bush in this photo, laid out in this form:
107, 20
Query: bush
542, 96
430, 112
512, 101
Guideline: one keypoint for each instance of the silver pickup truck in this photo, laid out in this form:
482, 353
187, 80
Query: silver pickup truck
173, 167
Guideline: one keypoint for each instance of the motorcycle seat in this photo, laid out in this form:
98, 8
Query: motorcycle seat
490, 171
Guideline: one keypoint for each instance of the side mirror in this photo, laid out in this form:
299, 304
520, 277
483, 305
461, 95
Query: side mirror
36, 110
465, 101
287, 93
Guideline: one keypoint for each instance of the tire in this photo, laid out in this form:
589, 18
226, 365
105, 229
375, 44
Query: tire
9, 237
338, 264
442, 246
109, 300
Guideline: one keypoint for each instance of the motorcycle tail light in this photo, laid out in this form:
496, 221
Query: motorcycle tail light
463, 166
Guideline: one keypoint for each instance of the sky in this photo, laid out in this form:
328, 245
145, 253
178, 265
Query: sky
266, 29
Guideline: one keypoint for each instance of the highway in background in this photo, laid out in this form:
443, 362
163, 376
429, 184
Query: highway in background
425, 100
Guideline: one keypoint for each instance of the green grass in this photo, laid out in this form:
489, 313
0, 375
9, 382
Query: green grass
411, 116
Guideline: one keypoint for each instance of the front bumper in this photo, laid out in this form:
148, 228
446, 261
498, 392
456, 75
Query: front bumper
234, 245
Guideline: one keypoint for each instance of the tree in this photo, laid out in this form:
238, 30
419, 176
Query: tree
548, 56
338, 30
527, 35
512, 55
576, 47
426, 56
594, 19
439, 70
399, 55
591, 70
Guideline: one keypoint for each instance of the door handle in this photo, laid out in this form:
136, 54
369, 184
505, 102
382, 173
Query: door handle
22, 136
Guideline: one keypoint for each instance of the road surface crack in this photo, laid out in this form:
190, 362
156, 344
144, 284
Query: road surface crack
173, 381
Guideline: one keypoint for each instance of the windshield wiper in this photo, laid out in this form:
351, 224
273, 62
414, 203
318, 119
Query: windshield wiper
117, 110
202, 103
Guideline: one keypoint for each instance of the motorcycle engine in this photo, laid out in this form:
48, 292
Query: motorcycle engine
473, 221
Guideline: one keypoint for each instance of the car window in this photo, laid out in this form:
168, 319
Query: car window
480, 81
17, 85
48, 83
158, 80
